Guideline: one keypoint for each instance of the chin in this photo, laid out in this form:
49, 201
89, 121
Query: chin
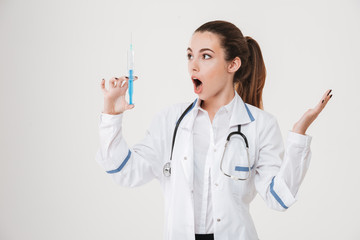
201, 96
204, 96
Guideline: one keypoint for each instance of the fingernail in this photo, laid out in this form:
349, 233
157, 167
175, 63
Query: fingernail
329, 92
330, 95
322, 101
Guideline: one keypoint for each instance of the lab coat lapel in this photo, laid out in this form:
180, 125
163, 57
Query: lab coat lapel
241, 113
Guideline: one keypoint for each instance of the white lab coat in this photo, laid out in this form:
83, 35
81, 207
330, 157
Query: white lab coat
276, 175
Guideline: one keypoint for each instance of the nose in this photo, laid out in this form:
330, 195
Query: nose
193, 65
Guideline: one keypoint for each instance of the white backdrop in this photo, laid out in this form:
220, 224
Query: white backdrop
53, 55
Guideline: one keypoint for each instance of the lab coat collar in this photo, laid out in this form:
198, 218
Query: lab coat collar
241, 113
228, 107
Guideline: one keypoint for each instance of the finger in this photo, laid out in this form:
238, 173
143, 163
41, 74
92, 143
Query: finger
102, 84
326, 96
117, 82
329, 92
122, 78
324, 100
123, 83
320, 105
130, 106
327, 99
135, 78
112, 82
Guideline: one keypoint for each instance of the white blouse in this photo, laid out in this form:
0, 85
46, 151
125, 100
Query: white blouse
207, 138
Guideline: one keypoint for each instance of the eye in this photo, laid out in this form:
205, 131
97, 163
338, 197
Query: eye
189, 56
206, 56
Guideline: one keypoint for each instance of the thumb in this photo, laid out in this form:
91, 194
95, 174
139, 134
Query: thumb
130, 106
102, 84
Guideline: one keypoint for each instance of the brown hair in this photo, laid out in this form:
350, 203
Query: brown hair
249, 79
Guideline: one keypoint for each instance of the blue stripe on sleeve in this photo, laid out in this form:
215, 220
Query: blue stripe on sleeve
275, 195
122, 164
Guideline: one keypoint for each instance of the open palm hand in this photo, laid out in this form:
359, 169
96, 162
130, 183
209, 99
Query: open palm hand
311, 114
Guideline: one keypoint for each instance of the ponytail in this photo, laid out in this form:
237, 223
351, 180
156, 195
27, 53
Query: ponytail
250, 78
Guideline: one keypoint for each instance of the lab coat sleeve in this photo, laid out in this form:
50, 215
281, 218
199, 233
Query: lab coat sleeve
280, 171
129, 166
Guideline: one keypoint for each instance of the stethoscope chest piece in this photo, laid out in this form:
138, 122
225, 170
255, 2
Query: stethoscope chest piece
167, 169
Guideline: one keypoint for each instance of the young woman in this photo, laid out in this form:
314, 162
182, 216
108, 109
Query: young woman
214, 155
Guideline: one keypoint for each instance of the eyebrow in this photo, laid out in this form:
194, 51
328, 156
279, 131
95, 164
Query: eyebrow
202, 50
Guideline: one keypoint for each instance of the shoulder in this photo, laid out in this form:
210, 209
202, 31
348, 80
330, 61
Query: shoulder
172, 112
266, 125
260, 115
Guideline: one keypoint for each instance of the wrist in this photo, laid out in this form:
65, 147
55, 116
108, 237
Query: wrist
109, 109
299, 130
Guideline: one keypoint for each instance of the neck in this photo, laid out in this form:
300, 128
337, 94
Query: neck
213, 104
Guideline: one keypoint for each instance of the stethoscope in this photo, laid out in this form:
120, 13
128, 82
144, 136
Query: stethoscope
167, 166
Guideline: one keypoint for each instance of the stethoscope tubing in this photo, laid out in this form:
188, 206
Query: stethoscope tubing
167, 166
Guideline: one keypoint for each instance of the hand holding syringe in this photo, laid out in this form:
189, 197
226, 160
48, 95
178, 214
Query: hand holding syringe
114, 98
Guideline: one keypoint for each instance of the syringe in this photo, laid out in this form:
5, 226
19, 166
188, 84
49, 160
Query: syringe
131, 71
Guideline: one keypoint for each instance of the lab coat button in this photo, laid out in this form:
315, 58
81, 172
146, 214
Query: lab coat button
185, 158
216, 184
214, 149
218, 220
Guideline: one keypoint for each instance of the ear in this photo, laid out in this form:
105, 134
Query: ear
234, 65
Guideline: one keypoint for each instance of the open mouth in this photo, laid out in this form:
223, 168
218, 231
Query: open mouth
197, 85
197, 82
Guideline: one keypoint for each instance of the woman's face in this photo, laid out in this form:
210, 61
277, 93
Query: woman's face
207, 66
